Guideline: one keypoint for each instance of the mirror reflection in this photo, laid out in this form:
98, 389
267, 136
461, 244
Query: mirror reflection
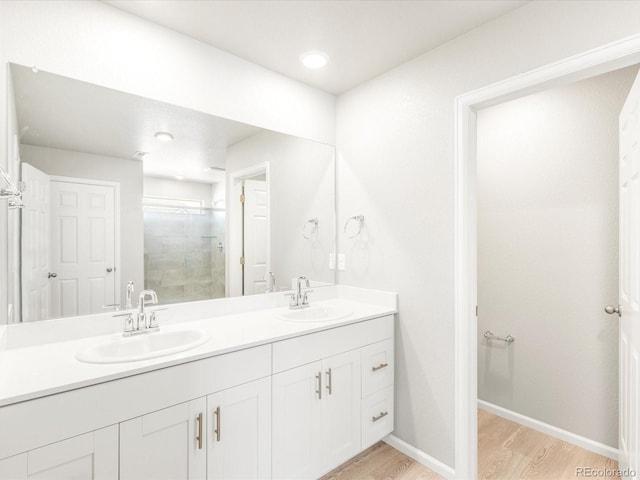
118, 188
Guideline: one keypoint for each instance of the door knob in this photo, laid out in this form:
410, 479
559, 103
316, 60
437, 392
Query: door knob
610, 309
52, 275
109, 269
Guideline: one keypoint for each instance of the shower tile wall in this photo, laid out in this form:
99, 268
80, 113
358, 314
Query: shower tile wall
182, 261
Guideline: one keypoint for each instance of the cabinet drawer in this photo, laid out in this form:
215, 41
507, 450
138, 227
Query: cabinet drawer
377, 366
305, 349
377, 416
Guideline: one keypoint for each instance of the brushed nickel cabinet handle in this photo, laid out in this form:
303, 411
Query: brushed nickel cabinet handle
319, 390
382, 415
218, 430
329, 382
379, 367
199, 435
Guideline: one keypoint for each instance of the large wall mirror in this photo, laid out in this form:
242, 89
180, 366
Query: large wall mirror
118, 188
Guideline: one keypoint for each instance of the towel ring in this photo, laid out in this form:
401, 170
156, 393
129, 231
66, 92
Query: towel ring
356, 218
314, 228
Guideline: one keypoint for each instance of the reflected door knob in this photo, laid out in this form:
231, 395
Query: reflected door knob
52, 275
610, 309
109, 269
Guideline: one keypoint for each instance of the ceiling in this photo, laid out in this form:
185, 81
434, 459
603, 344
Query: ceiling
60, 112
362, 38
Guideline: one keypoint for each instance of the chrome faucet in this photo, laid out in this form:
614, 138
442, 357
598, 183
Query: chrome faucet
130, 288
299, 299
142, 315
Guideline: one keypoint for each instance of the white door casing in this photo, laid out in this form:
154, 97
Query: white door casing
629, 284
256, 236
35, 235
603, 59
83, 247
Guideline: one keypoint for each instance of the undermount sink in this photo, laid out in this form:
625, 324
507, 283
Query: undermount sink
315, 313
143, 347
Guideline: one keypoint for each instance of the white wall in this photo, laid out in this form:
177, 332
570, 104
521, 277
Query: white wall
548, 254
302, 186
128, 173
395, 138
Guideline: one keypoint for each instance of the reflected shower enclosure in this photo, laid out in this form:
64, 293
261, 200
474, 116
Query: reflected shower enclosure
184, 252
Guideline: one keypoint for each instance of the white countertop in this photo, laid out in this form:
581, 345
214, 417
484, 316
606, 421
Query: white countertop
35, 371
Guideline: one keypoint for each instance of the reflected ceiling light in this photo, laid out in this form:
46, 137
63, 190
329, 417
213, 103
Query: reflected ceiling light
314, 59
139, 154
164, 136
179, 177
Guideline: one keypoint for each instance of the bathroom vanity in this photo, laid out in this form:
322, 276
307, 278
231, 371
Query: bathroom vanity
266, 396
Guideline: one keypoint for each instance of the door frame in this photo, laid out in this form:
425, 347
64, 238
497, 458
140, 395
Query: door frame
116, 221
233, 281
594, 62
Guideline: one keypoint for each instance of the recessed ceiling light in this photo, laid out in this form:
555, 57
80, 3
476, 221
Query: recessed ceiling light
179, 177
314, 59
214, 169
164, 136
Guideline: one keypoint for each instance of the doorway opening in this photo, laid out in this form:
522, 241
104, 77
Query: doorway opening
249, 256
605, 59
547, 193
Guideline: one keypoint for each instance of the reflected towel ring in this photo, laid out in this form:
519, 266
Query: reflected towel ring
356, 218
309, 228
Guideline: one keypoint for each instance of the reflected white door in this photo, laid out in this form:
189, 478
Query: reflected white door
629, 428
82, 248
34, 241
256, 236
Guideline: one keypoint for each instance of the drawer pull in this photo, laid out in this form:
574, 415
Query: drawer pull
319, 390
379, 367
382, 415
199, 435
218, 430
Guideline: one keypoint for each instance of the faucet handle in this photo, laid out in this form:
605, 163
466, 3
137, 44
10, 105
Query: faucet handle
128, 323
153, 321
305, 300
293, 301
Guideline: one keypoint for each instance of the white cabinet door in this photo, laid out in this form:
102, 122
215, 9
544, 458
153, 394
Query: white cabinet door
91, 456
341, 409
239, 438
167, 444
297, 422
14, 468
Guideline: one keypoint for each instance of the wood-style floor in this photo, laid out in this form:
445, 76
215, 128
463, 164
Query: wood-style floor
506, 451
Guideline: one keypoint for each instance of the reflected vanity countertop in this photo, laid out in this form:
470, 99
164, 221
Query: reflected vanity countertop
36, 371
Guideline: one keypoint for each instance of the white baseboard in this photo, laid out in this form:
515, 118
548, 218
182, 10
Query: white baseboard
419, 456
587, 444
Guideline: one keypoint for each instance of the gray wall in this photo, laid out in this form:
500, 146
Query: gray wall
128, 173
396, 166
548, 254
